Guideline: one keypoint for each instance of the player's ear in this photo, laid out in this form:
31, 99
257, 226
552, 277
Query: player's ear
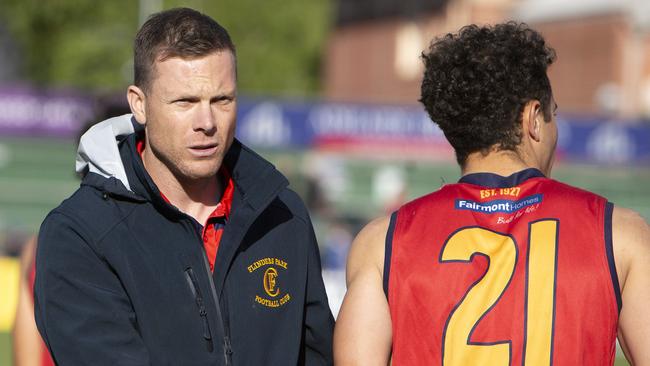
137, 98
532, 119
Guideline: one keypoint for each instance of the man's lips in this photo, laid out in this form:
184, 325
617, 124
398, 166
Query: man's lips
204, 149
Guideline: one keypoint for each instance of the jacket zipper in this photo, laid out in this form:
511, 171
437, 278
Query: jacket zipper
198, 298
226, 323
227, 345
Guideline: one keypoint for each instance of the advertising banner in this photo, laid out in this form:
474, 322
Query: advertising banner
30, 112
383, 131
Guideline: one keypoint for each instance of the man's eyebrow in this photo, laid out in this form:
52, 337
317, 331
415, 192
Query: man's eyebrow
181, 97
224, 95
185, 97
192, 97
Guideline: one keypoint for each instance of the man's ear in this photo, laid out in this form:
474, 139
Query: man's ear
532, 119
137, 99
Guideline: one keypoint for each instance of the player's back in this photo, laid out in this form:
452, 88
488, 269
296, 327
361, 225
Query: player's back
497, 271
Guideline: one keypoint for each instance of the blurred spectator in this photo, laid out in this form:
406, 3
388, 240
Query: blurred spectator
336, 245
314, 197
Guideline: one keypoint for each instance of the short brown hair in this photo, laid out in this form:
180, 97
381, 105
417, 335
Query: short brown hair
179, 32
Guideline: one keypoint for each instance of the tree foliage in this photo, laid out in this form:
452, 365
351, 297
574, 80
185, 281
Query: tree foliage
279, 42
88, 44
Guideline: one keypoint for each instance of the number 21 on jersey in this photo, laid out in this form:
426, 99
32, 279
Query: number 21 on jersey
483, 295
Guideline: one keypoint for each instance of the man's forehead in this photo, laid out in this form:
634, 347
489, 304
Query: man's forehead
179, 67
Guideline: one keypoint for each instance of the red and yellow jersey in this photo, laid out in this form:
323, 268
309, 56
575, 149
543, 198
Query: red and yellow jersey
499, 271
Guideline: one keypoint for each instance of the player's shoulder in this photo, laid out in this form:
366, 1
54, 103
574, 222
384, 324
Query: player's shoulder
432, 199
375, 229
628, 216
367, 249
631, 239
565, 189
630, 225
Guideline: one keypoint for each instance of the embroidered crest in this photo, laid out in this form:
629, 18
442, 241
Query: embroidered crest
273, 296
270, 276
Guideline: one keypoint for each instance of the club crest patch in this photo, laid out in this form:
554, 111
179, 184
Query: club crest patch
273, 295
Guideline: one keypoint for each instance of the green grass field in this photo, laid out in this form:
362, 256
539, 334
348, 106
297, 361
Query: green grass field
36, 174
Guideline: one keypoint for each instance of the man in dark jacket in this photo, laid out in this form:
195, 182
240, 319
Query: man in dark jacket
182, 246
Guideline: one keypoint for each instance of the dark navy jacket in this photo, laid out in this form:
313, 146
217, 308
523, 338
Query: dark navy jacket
122, 278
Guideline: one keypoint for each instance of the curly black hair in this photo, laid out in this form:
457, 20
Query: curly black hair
476, 83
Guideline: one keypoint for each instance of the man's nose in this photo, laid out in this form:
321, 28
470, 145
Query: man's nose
206, 118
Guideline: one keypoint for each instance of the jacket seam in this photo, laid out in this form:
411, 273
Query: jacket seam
88, 238
81, 229
112, 227
286, 207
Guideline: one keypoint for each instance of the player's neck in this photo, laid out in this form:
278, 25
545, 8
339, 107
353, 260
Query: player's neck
503, 163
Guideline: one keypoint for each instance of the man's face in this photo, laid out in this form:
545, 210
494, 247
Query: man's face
190, 114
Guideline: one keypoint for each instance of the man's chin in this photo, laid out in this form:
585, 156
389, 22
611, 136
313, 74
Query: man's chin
197, 171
